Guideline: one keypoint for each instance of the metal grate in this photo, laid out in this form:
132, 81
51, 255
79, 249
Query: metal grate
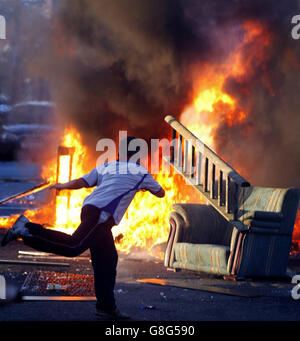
55, 283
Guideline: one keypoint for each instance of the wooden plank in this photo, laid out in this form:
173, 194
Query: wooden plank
196, 285
172, 145
58, 298
213, 182
198, 168
20, 262
227, 195
49, 256
185, 156
193, 162
220, 192
35, 189
179, 152
206, 175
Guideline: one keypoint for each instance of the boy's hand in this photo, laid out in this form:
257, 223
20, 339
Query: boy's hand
57, 186
73, 184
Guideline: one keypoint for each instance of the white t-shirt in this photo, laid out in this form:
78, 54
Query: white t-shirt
117, 183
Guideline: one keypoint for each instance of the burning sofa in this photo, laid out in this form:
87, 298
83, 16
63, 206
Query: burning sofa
257, 244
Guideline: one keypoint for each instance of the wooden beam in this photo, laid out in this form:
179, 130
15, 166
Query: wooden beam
193, 162
20, 262
197, 285
198, 168
179, 152
35, 189
213, 182
58, 298
206, 175
186, 156
220, 192
172, 145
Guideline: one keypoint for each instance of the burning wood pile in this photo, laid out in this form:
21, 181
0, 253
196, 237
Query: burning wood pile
148, 223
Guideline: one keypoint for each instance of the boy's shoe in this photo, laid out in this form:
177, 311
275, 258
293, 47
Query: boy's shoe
16, 231
112, 314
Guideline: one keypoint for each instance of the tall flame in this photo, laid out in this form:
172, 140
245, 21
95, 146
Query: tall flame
145, 223
146, 220
68, 204
211, 105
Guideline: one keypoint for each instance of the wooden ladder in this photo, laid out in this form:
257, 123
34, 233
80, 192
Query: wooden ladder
216, 181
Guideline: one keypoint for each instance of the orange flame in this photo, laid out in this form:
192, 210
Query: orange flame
211, 105
146, 222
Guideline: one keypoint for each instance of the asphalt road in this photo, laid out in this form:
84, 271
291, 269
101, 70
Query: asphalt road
176, 302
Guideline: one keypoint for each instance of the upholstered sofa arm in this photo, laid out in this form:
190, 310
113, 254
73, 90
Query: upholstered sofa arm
240, 226
257, 226
178, 225
262, 216
176, 231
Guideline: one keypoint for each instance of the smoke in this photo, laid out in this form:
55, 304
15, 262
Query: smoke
266, 145
125, 64
118, 65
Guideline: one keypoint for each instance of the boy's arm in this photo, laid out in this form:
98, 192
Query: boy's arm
74, 184
151, 185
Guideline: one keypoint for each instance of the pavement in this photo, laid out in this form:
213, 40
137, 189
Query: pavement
169, 296
149, 293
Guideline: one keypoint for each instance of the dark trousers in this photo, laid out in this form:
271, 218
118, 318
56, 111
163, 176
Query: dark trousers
89, 235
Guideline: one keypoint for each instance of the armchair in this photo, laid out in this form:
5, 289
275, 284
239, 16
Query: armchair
256, 244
